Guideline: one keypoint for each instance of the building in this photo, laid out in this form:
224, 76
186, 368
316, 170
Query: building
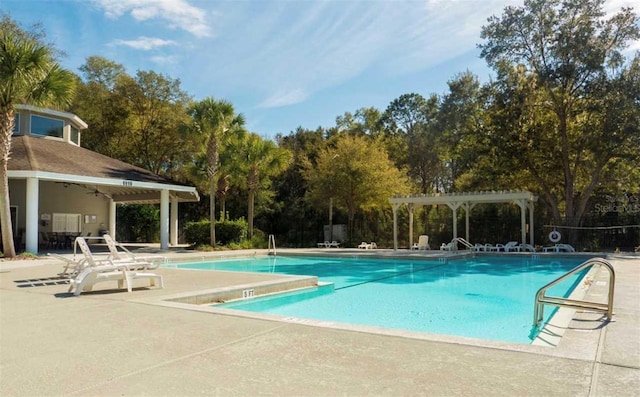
57, 186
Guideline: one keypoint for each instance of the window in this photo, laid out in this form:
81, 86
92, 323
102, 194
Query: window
75, 136
66, 223
46, 127
16, 124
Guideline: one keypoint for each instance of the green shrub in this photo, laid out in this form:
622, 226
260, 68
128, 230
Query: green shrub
227, 232
197, 233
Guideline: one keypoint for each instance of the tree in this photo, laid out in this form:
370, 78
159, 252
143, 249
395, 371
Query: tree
156, 116
411, 140
570, 60
260, 159
102, 109
460, 123
213, 119
365, 121
357, 174
29, 73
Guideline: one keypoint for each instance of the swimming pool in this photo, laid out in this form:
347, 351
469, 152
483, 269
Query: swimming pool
482, 297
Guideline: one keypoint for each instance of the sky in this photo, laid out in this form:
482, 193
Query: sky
283, 64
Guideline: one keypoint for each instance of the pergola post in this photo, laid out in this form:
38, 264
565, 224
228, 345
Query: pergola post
395, 226
531, 229
523, 221
411, 208
467, 209
454, 207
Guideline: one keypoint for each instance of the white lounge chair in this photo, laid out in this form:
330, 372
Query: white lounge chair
324, 244
107, 269
559, 248
368, 246
423, 243
148, 261
71, 266
448, 247
91, 275
512, 246
334, 243
478, 247
498, 248
527, 248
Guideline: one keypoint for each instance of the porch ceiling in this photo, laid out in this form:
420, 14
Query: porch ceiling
137, 195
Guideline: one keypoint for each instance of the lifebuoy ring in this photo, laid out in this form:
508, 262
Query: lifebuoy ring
555, 236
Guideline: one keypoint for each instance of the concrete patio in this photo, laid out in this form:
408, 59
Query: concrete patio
110, 342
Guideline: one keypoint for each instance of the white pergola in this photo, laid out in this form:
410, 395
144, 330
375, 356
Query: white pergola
466, 201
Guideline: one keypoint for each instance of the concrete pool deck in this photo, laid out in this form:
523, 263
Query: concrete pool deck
110, 342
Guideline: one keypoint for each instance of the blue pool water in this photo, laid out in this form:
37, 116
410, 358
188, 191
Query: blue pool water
484, 297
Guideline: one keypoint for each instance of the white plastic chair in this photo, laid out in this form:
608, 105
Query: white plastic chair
147, 262
108, 269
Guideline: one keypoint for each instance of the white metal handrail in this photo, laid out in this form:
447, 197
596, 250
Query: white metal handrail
542, 299
272, 243
464, 242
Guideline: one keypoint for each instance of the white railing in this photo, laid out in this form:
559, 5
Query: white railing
542, 299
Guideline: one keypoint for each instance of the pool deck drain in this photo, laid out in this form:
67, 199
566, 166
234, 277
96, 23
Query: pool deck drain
114, 343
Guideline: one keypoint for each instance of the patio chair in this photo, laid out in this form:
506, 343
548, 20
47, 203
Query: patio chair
105, 269
92, 275
559, 248
324, 244
148, 261
497, 248
335, 244
478, 247
364, 245
423, 243
527, 248
71, 266
512, 246
448, 247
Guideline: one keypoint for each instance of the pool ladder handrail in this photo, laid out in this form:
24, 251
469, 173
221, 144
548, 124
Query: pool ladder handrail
542, 299
464, 242
272, 243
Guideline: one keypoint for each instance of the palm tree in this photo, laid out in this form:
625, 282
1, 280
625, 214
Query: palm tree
214, 119
29, 73
262, 158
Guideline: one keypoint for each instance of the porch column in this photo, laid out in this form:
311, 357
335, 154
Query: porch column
173, 221
395, 226
164, 219
112, 219
31, 213
410, 206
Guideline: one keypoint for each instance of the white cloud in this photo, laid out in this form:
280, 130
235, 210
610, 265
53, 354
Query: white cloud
164, 59
144, 43
179, 14
284, 98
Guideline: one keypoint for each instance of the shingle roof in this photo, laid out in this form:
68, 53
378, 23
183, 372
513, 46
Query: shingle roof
49, 155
